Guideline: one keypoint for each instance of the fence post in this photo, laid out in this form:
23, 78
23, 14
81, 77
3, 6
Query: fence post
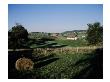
77, 49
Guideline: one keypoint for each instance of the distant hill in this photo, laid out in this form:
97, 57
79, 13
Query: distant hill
65, 32
74, 31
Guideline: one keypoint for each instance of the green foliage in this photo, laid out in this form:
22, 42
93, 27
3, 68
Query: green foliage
17, 37
68, 66
38, 35
64, 67
61, 66
47, 38
95, 33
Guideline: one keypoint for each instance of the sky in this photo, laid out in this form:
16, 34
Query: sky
54, 17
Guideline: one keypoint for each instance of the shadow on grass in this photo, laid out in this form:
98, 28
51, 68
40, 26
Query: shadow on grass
43, 43
95, 69
51, 45
45, 62
13, 56
38, 58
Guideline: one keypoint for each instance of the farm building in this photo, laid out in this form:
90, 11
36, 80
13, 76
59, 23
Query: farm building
72, 36
54, 34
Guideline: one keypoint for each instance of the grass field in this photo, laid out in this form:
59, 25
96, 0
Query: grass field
72, 43
61, 43
64, 66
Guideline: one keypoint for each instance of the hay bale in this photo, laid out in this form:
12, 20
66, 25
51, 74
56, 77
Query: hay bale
24, 64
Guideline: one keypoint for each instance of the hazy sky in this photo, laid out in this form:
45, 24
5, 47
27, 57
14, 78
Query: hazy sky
54, 17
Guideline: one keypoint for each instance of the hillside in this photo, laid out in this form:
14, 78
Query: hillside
74, 31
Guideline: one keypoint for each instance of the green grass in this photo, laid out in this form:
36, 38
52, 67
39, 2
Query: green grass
60, 42
88, 65
61, 66
72, 43
64, 67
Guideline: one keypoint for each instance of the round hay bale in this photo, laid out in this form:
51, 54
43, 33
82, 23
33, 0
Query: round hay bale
24, 64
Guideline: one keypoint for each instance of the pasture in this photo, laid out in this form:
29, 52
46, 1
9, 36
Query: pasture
58, 43
72, 43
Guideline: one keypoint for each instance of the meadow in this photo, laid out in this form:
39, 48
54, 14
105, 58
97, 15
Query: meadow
71, 43
59, 43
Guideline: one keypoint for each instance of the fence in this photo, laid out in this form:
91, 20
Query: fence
46, 51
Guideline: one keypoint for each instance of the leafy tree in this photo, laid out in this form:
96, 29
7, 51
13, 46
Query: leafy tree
17, 36
95, 33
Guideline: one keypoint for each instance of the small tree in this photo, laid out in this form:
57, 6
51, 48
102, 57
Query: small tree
17, 36
95, 33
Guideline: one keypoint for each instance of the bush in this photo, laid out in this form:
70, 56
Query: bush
17, 37
95, 33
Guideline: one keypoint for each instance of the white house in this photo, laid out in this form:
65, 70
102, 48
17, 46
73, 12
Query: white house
72, 37
75, 38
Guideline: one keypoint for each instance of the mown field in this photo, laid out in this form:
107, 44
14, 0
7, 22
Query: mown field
60, 43
75, 43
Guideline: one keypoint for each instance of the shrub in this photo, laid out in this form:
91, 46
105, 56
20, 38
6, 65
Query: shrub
95, 34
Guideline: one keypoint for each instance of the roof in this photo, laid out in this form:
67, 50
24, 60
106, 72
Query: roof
72, 35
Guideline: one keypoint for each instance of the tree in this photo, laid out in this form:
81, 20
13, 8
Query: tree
17, 36
95, 33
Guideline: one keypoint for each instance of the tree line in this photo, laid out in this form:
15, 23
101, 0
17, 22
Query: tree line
18, 36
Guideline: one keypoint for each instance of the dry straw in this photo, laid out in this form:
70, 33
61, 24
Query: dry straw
24, 64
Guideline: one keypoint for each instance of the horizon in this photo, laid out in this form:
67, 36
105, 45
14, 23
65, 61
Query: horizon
57, 32
54, 18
